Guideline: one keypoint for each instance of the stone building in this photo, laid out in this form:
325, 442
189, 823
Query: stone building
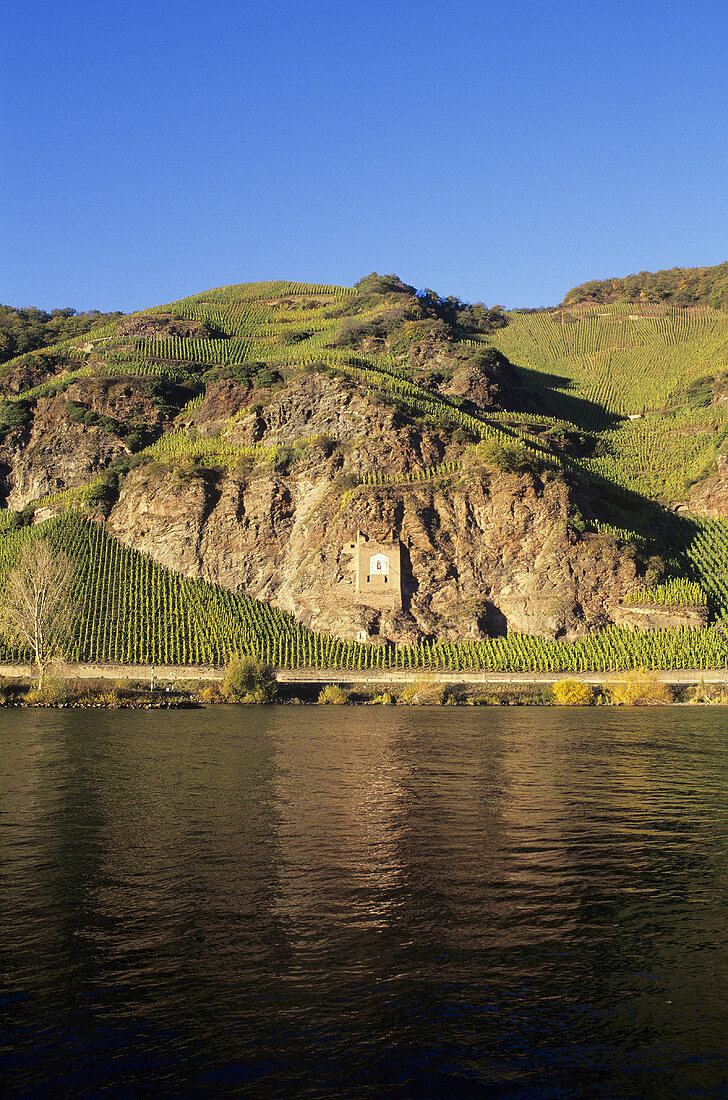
378, 573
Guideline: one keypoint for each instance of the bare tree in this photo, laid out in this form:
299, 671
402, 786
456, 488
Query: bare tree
39, 607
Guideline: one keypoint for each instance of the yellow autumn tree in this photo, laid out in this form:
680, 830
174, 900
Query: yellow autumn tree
639, 688
573, 693
39, 608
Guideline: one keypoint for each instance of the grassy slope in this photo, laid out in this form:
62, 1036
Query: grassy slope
589, 371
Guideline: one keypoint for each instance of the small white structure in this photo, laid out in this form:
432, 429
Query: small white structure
379, 563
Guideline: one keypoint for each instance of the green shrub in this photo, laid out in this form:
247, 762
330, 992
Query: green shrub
248, 681
79, 414
105, 494
508, 457
17, 520
290, 339
699, 393
265, 378
14, 415
53, 693
139, 438
282, 459
333, 693
382, 284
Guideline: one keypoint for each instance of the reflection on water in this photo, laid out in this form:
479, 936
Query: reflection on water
356, 902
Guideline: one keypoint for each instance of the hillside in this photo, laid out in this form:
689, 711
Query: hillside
678, 286
25, 330
262, 444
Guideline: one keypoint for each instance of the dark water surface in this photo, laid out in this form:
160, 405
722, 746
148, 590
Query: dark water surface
340, 902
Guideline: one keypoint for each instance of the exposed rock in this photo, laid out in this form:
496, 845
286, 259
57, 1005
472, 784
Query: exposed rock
710, 497
489, 555
52, 454
222, 401
125, 398
433, 350
482, 552
487, 382
659, 617
162, 324
375, 437
31, 370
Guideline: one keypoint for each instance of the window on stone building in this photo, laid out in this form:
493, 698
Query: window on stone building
379, 563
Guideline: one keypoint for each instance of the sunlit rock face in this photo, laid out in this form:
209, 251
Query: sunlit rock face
477, 552
658, 617
481, 552
710, 497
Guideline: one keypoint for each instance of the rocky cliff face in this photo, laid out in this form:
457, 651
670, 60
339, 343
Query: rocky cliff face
488, 554
659, 617
53, 452
163, 324
482, 552
710, 497
30, 370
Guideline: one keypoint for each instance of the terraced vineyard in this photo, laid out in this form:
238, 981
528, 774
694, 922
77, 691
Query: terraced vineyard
601, 366
592, 370
588, 371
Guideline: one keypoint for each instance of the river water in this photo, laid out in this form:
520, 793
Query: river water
364, 902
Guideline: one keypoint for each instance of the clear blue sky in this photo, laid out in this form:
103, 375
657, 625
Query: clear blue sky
503, 152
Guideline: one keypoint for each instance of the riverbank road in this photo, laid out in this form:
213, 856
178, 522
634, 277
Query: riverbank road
348, 678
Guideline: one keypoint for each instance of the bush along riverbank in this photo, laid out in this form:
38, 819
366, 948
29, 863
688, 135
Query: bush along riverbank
247, 681
58, 691
636, 688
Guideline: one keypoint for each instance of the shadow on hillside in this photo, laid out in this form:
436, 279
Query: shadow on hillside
655, 528
547, 391
410, 584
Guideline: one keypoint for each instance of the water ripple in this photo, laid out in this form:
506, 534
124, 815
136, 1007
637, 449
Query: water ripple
289, 902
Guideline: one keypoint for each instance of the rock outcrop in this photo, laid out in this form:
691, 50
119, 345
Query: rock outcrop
710, 497
488, 555
488, 381
163, 325
659, 616
483, 552
52, 452
31, 370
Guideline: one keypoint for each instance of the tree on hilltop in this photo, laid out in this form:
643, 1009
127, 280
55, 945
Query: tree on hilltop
27, 329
